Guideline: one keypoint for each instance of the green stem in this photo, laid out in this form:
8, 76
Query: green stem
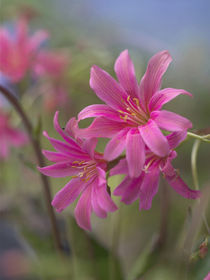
194, 163
199, 137
194, 156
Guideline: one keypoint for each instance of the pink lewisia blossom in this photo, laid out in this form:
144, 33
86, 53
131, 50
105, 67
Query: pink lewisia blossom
18, 51
133, 115
145, 186
87, 167
55, 96
9, 136
207, 277
50, 63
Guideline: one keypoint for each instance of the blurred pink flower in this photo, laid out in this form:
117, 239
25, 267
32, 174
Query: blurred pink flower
18, 51
207, 277
133, 115
55, 96
9, 136
51, 64
87, 167
145, 186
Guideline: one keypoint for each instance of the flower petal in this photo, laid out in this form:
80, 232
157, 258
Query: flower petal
148, 189
69, 140
65, 148
96, 207
154, 138
67, 194
106, 88
125, 72
61, 169
135, 153
99, 110
101, 127
104, 199
131, 193
151, 80
83, 209
176, 182
163, 96
123, 186
55, 156
116, 145
89, 146
170, 121
175, 138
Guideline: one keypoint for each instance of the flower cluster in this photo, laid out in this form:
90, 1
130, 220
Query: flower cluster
9, 136
133, 119
22, 54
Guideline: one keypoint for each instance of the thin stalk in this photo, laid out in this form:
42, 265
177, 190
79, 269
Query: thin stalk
199, 137
40, 160
195, 175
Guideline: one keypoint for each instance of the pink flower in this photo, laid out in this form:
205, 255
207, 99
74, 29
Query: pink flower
50, 63
18, 51
87, 167
133, 115
55, 96
207, 277
145, 186
9, 136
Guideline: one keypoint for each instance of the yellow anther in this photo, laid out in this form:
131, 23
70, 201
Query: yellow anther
133, 114
120, 111
75, 176
128, 98
76, 161
136, 100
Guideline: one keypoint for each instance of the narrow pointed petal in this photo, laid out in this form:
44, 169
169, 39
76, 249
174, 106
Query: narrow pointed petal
154, 138
89, 146
103, 198
67, 194
135, 153
57, 127
131, 194
55, 156
83, 210
65, 148
151, 80
106, 88
164, 96
176, 182
72, 128
116, 145
175, 138
125, 72
99, 110
123, 186
101, 213
149, 188
120, 168
58, 170
170, 121
101, 127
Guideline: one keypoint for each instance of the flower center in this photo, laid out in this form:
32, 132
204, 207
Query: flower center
133, 112
87, 169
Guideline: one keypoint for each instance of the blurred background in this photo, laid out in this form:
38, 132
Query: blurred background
129, 244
